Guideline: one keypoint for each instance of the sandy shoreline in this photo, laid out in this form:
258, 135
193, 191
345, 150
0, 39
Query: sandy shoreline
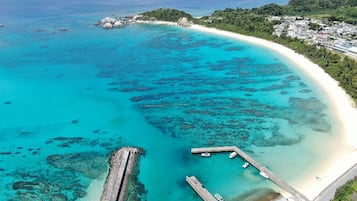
342, 107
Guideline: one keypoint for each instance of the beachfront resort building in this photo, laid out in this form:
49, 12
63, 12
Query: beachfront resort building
338, 36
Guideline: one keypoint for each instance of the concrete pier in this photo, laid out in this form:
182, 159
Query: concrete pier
200, 189
121, 165
273, 177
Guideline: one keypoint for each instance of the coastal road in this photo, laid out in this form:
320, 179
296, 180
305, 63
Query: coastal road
329, 192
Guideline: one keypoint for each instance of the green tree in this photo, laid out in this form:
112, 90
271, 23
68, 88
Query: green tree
163, 14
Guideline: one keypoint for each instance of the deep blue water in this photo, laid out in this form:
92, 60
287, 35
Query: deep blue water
69, 98
25, 9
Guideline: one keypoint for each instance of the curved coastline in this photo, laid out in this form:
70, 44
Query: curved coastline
343, 108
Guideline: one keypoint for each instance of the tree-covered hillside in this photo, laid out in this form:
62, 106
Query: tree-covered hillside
332, 10
318, 5
165, 14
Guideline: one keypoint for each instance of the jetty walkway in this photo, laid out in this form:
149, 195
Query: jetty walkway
200, 189
273, 177
121, 165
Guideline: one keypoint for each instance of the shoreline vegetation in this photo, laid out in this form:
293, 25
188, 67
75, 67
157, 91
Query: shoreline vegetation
347, 191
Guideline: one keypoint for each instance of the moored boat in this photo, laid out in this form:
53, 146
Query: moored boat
206, 154
232, 155
218, 197
245, 165
264, 175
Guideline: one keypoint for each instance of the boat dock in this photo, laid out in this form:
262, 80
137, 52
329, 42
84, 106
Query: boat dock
200, 189
273, 177
121, 165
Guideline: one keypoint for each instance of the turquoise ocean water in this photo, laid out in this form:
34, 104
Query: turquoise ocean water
70, 98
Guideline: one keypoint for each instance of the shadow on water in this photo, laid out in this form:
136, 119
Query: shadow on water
259, 194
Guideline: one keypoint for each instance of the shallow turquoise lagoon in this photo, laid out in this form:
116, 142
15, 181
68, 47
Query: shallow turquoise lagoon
70, 98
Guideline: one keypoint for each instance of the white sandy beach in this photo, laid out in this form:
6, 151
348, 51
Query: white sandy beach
342, 105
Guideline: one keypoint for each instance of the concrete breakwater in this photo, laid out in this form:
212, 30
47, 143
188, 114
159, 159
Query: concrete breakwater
122, 164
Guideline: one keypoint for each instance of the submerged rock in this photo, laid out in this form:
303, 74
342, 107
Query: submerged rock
90, 164
37, 190
64, 29
79, 193
259, 194
25, 185
75, 121
307, 104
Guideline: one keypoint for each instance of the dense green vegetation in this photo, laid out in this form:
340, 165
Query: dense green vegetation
347, 191
348, 15
245, 21
331, 10
305, 6
171, 15
254, 22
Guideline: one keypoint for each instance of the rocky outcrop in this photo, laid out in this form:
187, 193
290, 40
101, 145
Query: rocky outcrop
108, 20
183, 21
118, 24
64, 29
109, 23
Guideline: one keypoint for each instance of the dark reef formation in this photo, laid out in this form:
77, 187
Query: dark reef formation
217, 102
90, 164
67, 181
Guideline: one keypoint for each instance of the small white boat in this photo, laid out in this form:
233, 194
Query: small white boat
218, 197
232, 155
206, 154
245, 165
264, 175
